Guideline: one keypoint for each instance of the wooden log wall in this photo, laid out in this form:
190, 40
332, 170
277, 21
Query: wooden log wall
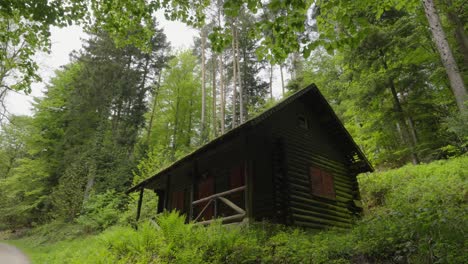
313, 147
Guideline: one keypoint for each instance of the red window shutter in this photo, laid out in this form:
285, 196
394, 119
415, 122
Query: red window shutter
321, 183
328, 190
315, 177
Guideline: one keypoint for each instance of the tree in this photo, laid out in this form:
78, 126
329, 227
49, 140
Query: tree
203, 84
234, 74
179, 106
13, 136
445, 52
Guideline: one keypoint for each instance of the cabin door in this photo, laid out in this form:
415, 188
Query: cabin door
236, 179
205, 189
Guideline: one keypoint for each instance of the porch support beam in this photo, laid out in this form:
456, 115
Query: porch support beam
140, 201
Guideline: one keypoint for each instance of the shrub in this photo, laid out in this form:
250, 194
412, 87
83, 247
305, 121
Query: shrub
101, 211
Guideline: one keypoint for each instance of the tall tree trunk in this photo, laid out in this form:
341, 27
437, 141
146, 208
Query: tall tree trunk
245, 88
176, 125
221, 77
282, 79
241, 91
203, 110
400, 114
213, 94
91, 175
413, 130
91, 162
234, 77
271, 81
455, 79
222, 91
153, 110
404, 127
189, 126
460, 34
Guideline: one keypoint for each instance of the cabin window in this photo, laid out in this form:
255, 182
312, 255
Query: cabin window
321, 183
302, 122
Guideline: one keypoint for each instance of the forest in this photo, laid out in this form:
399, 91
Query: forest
128, 105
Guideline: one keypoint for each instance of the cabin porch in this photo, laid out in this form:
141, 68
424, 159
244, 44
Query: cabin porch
204, 197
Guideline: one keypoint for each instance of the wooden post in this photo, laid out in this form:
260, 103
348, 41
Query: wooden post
161, 196
166, 198
247, 191
192, 191
140, 201
215, 200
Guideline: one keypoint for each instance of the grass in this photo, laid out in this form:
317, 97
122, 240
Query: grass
415, 214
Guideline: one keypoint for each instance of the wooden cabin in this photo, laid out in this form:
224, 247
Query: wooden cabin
294, 164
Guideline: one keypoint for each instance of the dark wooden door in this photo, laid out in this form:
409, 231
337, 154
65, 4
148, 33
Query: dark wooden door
178, 201
205, 189
236, 179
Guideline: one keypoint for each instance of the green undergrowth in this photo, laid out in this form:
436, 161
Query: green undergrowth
415, 214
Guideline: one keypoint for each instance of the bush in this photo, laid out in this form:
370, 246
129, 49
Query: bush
101, 211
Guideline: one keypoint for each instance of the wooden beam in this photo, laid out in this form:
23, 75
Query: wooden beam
232, 205
140, 201
223, 219
203, 210
238, 189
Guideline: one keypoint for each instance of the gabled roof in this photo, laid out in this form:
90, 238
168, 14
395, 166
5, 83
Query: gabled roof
310, 93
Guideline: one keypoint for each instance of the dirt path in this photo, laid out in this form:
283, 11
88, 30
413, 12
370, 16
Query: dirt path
12, 255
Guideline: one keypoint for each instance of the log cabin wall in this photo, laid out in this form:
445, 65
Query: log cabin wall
310, 149
260, 155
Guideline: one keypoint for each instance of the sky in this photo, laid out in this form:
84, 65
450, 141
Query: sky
65, 40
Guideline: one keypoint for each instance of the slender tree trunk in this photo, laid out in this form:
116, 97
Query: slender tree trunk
213, 114
404, 126
400, 114
241, 91
91, 175
203, 110
92, 158
189, 126
245, 86
222, 92
454, 76
282, 79
234, 77
460, 35
176, 125
221, 80
413, 130
153, 110
399, 132
271, 81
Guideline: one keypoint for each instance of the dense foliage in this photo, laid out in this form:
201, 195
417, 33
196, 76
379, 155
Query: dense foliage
415, 214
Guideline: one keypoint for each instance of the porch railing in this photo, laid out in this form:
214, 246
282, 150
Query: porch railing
214, 199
